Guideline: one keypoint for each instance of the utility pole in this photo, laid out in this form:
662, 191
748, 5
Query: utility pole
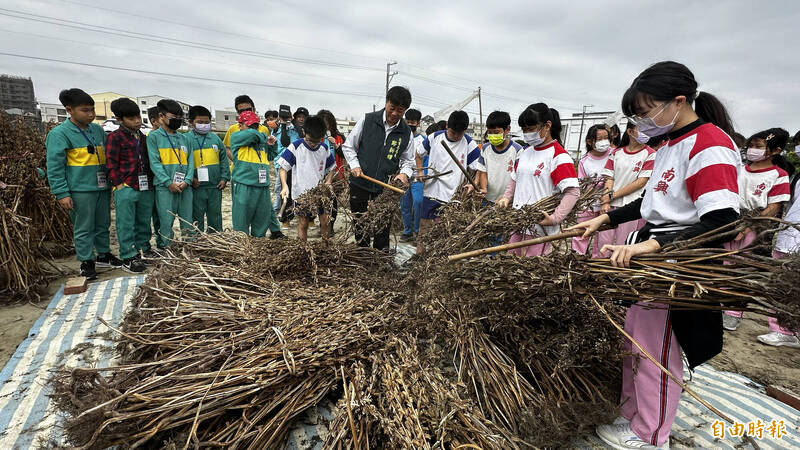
389, 74
480, 114
580, 133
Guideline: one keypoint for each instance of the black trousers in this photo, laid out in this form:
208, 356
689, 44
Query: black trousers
359, 200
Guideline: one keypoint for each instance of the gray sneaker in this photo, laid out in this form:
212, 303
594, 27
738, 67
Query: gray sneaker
730, 323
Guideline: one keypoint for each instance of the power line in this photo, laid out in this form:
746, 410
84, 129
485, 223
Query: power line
187, 77
221, 31
184, 57
172, 41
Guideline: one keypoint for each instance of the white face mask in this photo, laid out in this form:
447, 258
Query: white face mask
602, 146
797, 150
532, 139
756, 154
202, 128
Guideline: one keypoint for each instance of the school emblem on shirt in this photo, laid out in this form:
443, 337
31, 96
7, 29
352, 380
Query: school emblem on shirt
760, 189
663, 184
538, 171
321, 165
637, 167
394, 149
510, 166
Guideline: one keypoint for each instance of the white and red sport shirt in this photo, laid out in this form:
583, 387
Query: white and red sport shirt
625, 168
592, 166
759, 188
499, 167
692, 175
541, 172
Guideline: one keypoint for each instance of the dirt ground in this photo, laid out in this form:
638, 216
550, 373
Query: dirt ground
742, 353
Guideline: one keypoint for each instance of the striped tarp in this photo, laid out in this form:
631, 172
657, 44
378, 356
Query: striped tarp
28, 419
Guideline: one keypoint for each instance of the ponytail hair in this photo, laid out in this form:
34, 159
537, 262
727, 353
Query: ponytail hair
626, 138
665, 80
547, 113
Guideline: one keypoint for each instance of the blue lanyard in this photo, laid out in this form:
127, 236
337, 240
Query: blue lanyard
91, 142
202, 146
175, 152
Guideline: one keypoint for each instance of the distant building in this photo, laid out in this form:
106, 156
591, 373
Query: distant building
17, 99
53, 112
149, 101
223, 119
345, 126
102, 105
574, 139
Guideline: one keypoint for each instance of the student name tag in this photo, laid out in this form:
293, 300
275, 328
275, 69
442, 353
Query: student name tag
183, 148
102, 182
202, 174
179, 177
144, 184
262, 176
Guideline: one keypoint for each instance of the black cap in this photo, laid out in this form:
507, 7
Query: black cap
284, 111
300, 110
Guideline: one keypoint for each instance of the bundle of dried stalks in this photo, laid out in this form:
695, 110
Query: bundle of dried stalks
467, 223
382, 212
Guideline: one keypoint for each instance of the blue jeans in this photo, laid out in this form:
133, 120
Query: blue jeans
411, 208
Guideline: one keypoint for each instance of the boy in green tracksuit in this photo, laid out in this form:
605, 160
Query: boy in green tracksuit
76, 171
252, 206
173, 169
211, 170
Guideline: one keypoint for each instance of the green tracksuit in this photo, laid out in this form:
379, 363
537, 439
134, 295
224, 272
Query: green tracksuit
252, 205
76, 167
209, 155
169, 154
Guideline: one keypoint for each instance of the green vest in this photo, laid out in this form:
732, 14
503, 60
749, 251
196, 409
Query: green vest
379, 153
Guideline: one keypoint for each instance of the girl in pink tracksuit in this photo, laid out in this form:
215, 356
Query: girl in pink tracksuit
627, 170
541, 170
591, 165
763, 188
693, 189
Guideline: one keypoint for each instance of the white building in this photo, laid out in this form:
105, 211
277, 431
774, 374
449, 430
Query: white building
345, 126
574, 138
223, 119
149, 101
53, 112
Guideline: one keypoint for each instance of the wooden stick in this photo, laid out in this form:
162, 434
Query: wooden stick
381, 183
667, 372
458, 163
528, 243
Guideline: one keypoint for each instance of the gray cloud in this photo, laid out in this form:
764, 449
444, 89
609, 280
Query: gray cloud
567, 54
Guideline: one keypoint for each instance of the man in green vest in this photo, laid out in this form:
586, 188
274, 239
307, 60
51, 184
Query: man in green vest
76, 171
380, 145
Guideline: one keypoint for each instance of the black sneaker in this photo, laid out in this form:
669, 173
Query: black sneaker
87, 270
277, 235
133, 265
108, 260
151, 254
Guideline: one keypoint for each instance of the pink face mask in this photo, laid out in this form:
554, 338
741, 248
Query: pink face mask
756, 154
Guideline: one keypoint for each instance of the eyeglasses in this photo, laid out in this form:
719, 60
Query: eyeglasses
637, 118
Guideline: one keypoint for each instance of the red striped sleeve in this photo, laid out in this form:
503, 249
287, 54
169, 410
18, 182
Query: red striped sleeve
561, 172
779, 189
712, 178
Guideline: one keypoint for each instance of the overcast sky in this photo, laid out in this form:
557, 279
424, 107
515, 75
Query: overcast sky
567, 54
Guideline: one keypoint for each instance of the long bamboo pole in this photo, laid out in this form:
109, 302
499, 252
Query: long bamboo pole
504, 247
381, 183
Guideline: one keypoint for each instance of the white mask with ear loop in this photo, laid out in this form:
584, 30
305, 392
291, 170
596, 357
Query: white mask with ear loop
797, 149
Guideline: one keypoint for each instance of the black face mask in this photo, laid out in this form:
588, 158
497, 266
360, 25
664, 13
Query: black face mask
413, 128
174, 123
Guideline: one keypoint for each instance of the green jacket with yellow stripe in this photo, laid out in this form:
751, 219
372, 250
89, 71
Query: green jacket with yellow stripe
70, 165
209, 151
169, 153
250, 153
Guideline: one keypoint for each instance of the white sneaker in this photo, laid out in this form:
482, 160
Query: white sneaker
621, 420
730, 323
621, 437
776, 339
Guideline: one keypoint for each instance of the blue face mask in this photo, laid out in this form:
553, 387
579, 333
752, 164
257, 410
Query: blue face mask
202, 128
